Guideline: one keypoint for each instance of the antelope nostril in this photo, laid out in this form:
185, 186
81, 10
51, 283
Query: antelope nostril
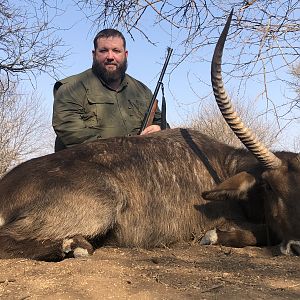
292, 247
295, 247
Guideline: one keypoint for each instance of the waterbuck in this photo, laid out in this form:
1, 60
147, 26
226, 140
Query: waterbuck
148, 191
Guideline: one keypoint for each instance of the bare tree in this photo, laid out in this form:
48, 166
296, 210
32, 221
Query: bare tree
295, 84
295, 102
209, 121
263, 41
297, 144
23, 127
28, 44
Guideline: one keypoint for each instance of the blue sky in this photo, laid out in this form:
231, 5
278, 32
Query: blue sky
145, 62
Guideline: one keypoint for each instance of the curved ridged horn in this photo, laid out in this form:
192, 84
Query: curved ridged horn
267, 158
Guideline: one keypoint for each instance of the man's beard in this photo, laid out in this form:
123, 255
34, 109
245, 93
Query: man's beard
110, 76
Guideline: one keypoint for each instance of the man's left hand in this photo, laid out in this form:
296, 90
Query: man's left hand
151, 129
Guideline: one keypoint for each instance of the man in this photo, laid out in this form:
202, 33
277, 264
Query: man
103, 101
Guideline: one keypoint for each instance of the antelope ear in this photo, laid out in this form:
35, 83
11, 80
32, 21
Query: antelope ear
296, 162
236, 186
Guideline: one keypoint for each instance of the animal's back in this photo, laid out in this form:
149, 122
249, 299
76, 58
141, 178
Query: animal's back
144, 190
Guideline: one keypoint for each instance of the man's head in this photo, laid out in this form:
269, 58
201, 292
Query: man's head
107, 33
110, 56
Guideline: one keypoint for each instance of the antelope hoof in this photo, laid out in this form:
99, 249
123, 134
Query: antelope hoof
210, 238
77, 247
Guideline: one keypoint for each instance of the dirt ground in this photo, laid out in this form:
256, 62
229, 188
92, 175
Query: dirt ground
182, 272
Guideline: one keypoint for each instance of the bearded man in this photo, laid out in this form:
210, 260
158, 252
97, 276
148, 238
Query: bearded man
103, 101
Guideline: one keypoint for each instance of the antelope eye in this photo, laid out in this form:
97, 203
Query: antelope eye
266, 186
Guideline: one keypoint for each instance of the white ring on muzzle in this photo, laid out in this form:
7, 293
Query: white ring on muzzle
291, 248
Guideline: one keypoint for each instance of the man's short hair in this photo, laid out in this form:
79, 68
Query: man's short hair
106, 33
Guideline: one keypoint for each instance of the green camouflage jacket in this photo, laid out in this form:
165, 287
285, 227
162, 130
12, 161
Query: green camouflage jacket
86, 109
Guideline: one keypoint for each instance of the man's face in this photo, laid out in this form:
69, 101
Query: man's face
110, 59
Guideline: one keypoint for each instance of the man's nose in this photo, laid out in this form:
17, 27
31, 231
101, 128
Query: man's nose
110, 55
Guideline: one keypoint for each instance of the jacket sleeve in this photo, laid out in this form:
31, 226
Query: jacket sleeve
68, 114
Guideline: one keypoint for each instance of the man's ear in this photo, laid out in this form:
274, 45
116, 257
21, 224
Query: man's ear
236, 186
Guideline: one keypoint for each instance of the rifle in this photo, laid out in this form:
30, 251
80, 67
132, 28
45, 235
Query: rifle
153, 103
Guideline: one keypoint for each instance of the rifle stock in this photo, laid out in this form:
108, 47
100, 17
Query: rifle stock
152, 113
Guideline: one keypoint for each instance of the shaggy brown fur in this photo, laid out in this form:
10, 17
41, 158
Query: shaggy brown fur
145, 192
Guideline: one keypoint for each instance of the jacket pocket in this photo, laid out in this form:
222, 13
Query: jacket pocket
139, 108
89, 118
104, 111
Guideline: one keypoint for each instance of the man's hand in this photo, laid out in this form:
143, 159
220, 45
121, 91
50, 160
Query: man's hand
151, 129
